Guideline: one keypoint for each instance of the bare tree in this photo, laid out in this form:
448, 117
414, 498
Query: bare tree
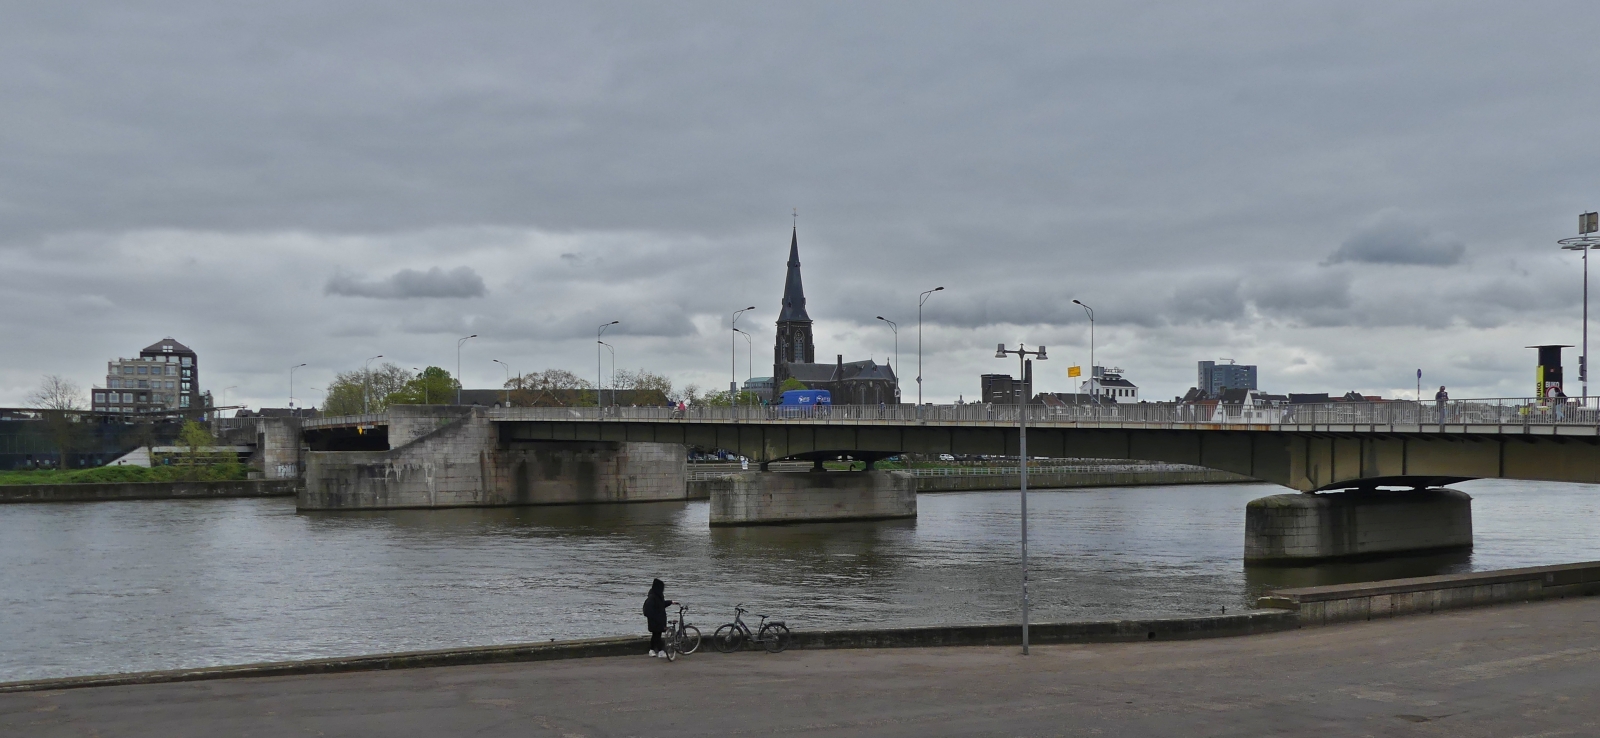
56, 392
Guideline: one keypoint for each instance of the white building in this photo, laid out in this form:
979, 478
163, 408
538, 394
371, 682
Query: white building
1109, 384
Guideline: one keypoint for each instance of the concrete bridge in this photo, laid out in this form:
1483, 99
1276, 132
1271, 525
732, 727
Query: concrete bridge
1392, 458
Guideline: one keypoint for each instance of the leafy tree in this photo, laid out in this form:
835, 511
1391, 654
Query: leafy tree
434, 386
791, 384
351, 391
551, 388
721, 399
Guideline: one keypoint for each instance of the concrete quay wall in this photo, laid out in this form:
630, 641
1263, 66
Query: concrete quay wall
1393, 597
1299, 528
111, 491
768, 498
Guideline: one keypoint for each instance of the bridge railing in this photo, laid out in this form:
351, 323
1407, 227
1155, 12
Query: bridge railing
1477, 411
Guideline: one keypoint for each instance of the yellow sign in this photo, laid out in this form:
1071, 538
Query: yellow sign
1074, 371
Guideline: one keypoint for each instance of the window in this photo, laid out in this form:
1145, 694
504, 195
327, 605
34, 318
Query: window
144, 397
143, 370
127, 397
166, 347
183, 401
99, 398
172, 371
186, 373
186, 361
127, 370
186, 386
113, 383
171, 384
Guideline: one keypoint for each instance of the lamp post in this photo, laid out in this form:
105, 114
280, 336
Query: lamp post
366, 383
1023, 353
613, 351
922, 298
291, 386
458, 364
508, 380
733, 358
1094, 383
896, 330
599, 380
324, 394
1588, 224
749, 356
422, 379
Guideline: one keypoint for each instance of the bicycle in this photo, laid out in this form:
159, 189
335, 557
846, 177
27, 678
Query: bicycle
773, 636
681, 637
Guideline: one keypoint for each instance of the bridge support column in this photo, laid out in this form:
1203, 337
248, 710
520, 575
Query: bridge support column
1305, 528
767, 498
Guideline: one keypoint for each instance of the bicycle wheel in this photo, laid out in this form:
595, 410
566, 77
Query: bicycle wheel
672, 648
728, 638
689, 642
774, 637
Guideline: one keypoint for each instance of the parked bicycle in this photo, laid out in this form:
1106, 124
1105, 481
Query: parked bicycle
681, 637
773, 636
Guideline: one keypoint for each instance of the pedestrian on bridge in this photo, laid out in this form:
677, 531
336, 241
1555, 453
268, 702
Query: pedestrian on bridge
655, 616
1440, 398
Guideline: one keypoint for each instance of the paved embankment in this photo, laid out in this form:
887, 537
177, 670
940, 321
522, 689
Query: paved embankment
1519, 670
1388, 598
146, 491
918, 637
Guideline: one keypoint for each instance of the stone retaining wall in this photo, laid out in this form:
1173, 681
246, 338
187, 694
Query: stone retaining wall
1371, 600
147, 491
1301, 528
766, 498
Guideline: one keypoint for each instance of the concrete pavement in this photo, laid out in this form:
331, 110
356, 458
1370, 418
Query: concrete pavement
1518, 670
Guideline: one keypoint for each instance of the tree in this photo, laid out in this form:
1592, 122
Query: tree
351, 391
434, 386
551, 388
57, 398
196, 441
56, 392
791, 384
721, 399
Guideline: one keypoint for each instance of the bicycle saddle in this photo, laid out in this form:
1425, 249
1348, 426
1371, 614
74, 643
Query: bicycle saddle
759, 615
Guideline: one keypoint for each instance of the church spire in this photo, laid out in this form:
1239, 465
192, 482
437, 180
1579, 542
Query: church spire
794, 294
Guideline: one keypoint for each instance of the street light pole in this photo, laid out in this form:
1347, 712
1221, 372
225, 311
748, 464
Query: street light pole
613, 351
733, 359
366, 383
749, 356
1023, 353
922, 298
291, 386
508, 380
896, 330
458, 364
599, 379
1094, 384
1584, 241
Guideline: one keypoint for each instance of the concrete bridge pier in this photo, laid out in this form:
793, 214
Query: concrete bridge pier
1301, 528
769, 498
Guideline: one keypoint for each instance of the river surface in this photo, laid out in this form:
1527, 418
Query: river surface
130, 586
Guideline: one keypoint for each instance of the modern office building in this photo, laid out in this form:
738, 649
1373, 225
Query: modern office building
164, 377
1214, 378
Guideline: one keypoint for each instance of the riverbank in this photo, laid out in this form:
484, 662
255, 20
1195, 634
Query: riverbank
1517, 670
103, 492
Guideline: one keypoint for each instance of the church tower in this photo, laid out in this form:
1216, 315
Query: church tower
794, 343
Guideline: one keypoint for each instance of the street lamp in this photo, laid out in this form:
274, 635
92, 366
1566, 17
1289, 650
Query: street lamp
1094, 384
733, 359
1023, 353
291, 386
508, 379
324, 394
749, 356
896, 329
366, 383
422, 379
922, 298
599, 379
613, 351
1588, 224
458, 365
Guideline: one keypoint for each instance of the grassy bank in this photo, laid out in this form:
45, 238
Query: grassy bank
106, 474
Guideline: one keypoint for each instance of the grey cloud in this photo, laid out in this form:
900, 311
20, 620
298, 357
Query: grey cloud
1216, 299
1392, 239
409, 283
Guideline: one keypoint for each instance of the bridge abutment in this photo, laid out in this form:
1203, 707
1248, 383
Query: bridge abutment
1304, 528
769, 498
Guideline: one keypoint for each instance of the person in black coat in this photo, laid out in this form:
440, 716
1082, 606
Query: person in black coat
655, 616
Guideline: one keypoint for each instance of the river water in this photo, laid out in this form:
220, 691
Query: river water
130, 586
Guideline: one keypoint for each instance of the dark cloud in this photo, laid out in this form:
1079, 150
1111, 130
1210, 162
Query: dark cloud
407, 284
1392, 239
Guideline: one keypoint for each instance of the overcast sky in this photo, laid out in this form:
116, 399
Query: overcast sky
1341, 193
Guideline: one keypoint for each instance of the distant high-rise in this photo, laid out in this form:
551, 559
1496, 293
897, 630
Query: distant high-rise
164, 377
1214, 377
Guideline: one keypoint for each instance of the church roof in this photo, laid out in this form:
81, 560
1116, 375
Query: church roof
865, 369
794, 294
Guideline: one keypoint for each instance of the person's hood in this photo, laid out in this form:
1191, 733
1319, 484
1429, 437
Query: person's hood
657, 587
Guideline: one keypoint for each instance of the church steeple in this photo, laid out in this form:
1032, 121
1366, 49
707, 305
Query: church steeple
794, 344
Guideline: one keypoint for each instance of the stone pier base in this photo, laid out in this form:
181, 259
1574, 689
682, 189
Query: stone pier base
1304, 528
766, 498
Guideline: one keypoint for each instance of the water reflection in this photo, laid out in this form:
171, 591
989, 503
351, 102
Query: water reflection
145, 585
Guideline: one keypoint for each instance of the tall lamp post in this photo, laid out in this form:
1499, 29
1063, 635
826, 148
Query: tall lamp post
460, 341
1588, 224
324, 394
733, 358
613, 351
922, 298
366, 383
1023, 353
422, 379
508, 380
749, 356
291, 386
599, 379
1094, 383
896, 330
